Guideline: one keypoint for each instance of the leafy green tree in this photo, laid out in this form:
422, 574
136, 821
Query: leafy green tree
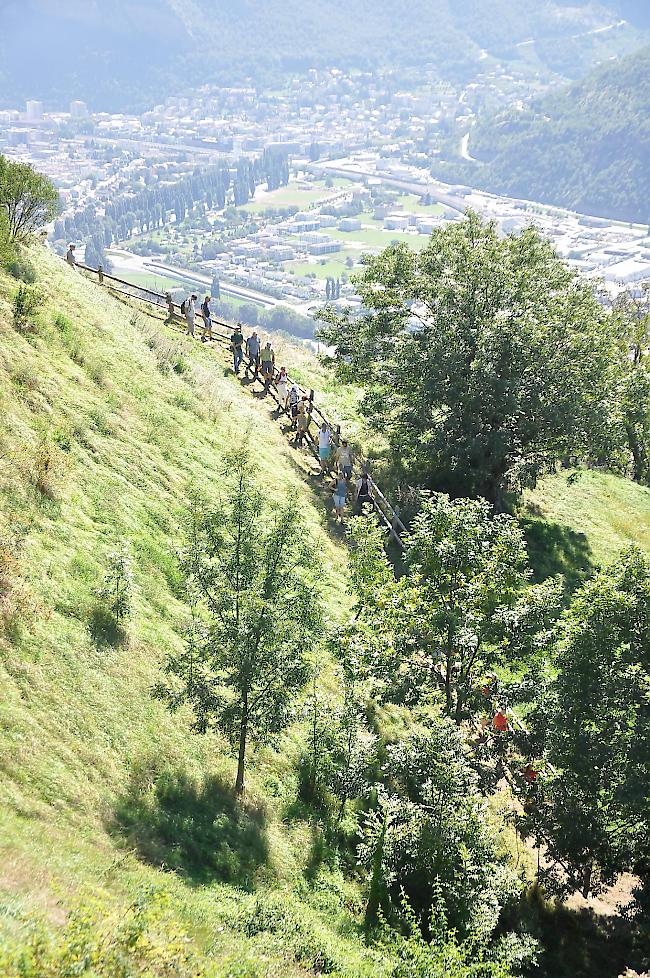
116, 592
27, 198
593, 812
251, 573
447, 956
459, 609
438, 846
7, 248
485, 359
633, 314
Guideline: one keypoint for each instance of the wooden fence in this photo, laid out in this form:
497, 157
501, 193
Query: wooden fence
221, 332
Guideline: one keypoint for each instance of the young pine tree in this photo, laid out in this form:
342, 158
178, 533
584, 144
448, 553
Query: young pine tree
250, 571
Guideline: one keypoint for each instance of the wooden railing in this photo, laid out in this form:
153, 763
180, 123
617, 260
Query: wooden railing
386, 513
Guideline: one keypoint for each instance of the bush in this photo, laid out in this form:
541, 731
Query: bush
47, 465
71, 337
144, 940
26, 302
116, 592
21, 269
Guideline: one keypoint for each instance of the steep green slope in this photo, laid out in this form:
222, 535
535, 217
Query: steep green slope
105, 425
579, 521
586, 148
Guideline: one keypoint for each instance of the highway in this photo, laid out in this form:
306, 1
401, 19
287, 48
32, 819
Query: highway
410, 187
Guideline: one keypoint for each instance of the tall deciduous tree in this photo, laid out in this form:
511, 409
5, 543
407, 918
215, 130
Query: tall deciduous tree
593, 811
251, 573
460, 608
633, 314
28, 199
485, 359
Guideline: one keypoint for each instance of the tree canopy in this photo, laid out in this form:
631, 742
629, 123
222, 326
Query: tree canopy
593, 813
250, 571
485, 359
28, 199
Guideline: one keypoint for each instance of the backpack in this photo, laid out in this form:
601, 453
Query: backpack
183, 307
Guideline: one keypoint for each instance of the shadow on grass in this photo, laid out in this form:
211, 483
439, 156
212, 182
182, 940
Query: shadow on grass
577, 943
201, 831
104, 630
555, 549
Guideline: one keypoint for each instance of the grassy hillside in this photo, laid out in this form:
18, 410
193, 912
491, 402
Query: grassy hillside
579, 521
108, 422
105, 426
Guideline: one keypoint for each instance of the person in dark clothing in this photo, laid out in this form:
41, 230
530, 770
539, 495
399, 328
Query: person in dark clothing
207, 319
253, 347
364, 493
236, 345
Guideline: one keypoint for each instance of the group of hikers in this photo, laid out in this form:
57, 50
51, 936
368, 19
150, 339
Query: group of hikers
334, 452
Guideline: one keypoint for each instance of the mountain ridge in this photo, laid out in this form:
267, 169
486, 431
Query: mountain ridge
585, 147
135, 53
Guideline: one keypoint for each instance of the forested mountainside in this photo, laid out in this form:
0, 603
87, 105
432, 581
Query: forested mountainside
586, 147
98, 52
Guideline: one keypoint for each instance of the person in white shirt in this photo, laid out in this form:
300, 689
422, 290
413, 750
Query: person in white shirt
190, 314
344, 460
324, 446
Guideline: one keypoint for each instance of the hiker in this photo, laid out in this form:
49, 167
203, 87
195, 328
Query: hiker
282, 384
253, 347
70, 258
344, 460
324, 446
170, 308
364, 492
236, 344
207, 319
293, 405
189, 308
302, 420
267, 358
339, 496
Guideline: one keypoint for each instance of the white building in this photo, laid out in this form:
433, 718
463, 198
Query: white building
78, 110
34, 111
630, 270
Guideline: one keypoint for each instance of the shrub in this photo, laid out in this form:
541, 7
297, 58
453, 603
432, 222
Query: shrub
144, 940
116, 592
22, 269
71, 337
47, 465
26, 302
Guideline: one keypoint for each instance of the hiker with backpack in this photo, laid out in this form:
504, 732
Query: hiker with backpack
364, 496
294, 398
188, 309
267, 358
339, 496
253, 347
282, 384
236, 345
207, 319
302, 420
324, 446
344, 460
